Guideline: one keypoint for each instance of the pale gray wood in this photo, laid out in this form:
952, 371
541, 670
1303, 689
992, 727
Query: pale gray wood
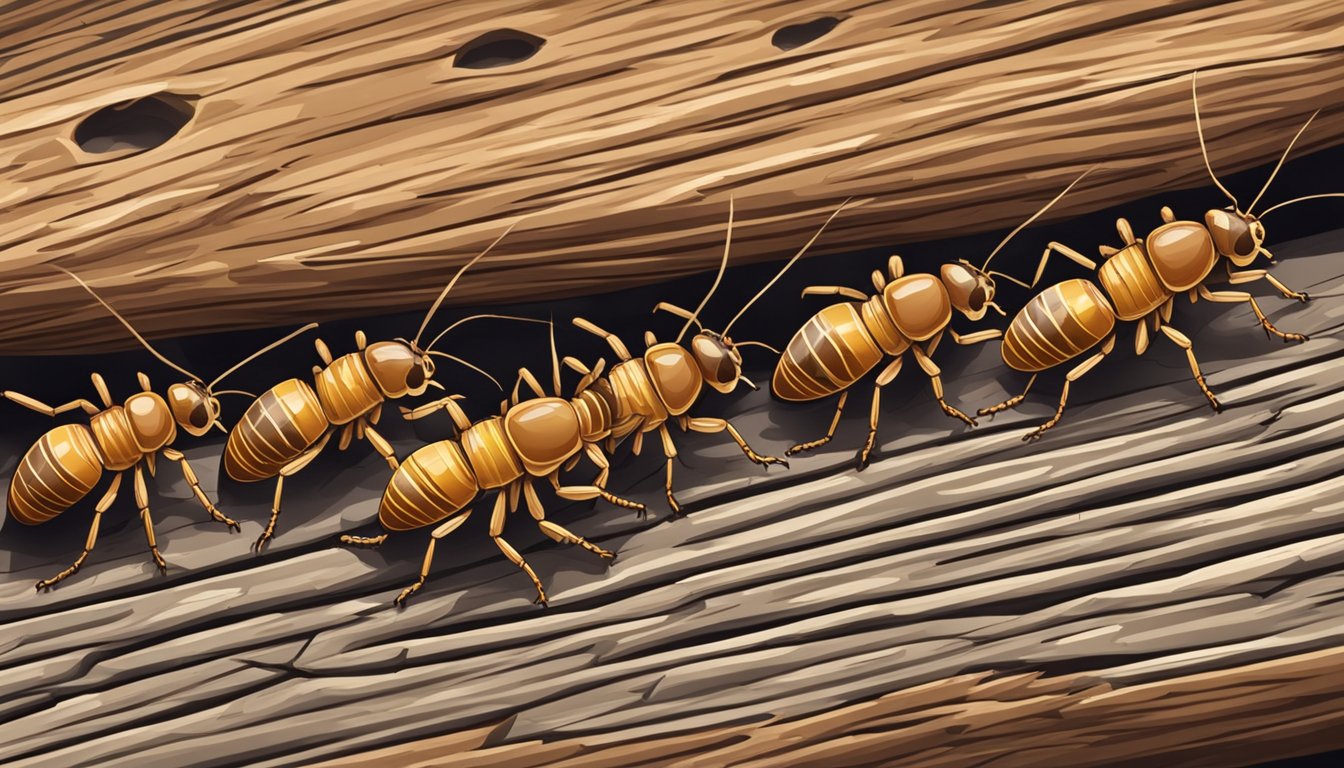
1145, 538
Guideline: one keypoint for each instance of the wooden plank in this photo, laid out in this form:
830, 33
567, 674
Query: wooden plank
1150, 565
337, 164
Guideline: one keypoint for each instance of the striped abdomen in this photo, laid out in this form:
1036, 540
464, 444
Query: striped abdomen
430, 485
1128, 278
490, 454
116, 441
59, 470
1060, 323
596, 407
346, 389
830, 352
280, 425
635, 396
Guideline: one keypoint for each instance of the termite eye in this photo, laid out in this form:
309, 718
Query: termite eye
727, 370
415, 377
199, 416
978, 298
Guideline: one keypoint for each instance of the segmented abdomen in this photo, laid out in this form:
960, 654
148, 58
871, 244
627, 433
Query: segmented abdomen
346, 389
830, 352
1058, 324
429, 486
1128, 278
278, 427
59, 470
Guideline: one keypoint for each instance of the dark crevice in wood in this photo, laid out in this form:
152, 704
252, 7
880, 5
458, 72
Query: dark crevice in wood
134, 126
798, 35
498, 48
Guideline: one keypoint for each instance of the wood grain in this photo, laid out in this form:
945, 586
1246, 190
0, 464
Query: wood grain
1225, 718
1148, 563
337, 164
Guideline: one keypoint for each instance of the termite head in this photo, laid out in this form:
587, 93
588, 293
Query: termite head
1236, 235
970, 289
194, 408
718, 359
399, 369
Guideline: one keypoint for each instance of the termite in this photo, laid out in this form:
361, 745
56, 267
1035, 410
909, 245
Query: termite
844, 342
668, 379
68, 461
1139, 282
528, 440
287, 427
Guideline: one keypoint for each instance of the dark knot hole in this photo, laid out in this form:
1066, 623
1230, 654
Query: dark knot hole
498, 48
134, 126
798, 35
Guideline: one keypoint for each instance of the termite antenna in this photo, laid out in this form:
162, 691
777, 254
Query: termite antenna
1034, 217
1282, 158
555, 358
210, 387
449, 287
1008, 277
143, 341
723, 264
1273, 208
1204, 150
465, 320
760, 344
790, 263
460, 361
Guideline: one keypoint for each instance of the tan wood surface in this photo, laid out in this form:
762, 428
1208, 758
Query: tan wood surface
336, 163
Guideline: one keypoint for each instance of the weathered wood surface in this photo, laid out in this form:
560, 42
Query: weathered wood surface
337, 164
1282, 708
1145, 541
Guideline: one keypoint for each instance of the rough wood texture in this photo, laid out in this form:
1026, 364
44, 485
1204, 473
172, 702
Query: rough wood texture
338, 164
1146, 541
1281, 708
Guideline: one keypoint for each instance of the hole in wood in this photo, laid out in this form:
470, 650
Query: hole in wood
499, 48
798, 35
134, 126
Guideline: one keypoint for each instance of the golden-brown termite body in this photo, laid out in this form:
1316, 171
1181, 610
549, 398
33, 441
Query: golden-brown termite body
68, 462
1139, 282
529, 440
289, 425
664, 383
909, 313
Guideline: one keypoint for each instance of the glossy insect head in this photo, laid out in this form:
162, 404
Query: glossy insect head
971, 290
194, 408
718, 359
1240, 235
